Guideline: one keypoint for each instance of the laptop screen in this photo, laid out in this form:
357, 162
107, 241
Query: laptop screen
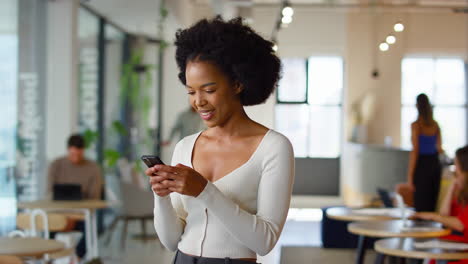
67, 192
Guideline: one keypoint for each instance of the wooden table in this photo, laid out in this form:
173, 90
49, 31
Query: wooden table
391, 228
403, 247
352, 215
87, 207
29, 246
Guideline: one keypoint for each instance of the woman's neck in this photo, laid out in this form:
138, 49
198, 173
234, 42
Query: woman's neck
237, 124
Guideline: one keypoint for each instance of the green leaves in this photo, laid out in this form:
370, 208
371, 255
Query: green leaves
90, 137
111, 157
118, 127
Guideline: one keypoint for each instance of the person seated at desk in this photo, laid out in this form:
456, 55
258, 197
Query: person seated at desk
453, 212
74, 168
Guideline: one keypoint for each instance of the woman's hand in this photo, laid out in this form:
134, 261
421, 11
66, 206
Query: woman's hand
157, 183
430, 216
180, 179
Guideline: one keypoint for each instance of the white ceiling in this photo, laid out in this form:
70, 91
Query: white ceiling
141, 16
136, 16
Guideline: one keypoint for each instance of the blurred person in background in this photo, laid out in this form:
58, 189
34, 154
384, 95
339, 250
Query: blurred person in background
453, 212
187, 123
424, 168
74, 168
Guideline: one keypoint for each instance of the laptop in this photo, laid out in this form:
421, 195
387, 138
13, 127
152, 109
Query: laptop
67, 192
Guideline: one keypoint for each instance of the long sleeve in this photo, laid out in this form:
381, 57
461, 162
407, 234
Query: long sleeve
95, 184
169, 214
259, 232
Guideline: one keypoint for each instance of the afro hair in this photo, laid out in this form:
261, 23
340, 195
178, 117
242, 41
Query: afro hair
243, 55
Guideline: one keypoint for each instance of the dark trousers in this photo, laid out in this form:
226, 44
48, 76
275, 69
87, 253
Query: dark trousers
427, 183
181, 258
81, 246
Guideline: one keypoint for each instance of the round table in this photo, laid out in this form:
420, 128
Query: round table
391, 228
403, 247
29, 246
352, 215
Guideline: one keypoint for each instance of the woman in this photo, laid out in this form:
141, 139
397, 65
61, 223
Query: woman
226, 197
424, 167
453, 212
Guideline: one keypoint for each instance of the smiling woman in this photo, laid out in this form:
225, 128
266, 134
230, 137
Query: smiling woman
226, 196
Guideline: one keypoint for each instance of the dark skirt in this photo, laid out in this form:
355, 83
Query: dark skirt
427, 183
181, 258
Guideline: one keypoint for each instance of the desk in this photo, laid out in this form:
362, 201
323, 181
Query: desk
351, 215
87, 207
403, 247
29, 246
390, 228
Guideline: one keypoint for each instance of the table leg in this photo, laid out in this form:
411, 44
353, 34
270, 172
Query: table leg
95, 231
379, 259
361, 250
89, 236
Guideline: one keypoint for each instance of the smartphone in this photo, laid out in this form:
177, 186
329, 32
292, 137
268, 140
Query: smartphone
151, 160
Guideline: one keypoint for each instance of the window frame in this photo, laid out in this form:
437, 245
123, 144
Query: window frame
327, 105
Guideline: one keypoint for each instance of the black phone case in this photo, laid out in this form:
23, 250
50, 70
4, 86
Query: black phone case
151, 160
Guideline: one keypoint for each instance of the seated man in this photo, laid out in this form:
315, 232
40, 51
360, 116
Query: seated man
74, 168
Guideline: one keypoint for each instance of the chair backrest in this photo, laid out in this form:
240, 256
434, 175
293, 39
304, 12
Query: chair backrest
135, 200
41, 222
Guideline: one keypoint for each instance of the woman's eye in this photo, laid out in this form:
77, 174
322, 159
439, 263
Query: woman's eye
190, 92
210, 91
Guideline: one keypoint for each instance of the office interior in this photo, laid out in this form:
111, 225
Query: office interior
106, 69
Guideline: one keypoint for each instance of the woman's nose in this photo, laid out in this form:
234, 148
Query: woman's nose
199, 100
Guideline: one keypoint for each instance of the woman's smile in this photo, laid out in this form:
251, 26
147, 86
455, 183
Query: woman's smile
206, 115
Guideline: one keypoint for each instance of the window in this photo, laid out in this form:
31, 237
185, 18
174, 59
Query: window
443, 80
308, 109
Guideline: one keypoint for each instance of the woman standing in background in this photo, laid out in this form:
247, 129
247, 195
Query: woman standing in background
424, 168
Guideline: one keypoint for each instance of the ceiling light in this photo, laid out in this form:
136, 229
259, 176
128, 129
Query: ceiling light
390, 39
383, 46
287, 11
275, 47
286, 20
399, 27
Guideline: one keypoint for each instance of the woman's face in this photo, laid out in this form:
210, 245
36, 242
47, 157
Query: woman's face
211, 93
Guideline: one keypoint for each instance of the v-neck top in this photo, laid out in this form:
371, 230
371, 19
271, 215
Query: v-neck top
239, 215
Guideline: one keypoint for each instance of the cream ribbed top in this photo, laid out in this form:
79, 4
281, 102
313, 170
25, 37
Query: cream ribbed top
238, 216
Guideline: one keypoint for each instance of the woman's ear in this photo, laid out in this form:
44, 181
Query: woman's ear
238, 87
